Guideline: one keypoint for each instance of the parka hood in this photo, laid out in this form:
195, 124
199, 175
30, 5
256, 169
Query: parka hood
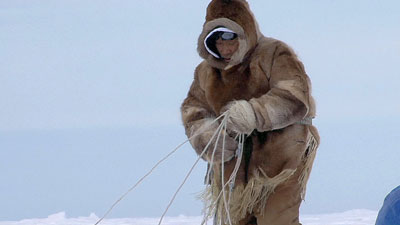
234, 15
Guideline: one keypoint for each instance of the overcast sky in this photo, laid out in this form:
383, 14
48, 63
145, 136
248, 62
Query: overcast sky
90, 96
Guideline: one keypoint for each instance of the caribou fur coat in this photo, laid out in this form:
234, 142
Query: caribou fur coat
267, 73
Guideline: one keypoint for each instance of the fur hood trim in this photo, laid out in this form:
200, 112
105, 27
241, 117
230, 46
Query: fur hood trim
231, 25
235, 16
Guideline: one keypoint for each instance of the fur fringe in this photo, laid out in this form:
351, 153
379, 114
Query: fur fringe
252, 197
243, 199
308, 160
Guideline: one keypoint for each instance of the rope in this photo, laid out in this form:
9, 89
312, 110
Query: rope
137, 183
219, 130
222, 177
211, 163
231, 181
221, 127
155, 166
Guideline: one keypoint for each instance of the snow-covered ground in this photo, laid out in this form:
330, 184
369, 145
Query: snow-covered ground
353, 217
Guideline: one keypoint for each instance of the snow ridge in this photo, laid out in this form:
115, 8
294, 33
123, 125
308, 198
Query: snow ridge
352, 217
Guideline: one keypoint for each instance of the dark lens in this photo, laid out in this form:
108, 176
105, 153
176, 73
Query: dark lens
228, 36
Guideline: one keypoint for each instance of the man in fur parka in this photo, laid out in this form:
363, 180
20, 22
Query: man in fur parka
264, 88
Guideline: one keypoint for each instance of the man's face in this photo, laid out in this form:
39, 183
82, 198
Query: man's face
227, 48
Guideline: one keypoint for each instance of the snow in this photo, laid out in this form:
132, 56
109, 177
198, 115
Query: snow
352, 217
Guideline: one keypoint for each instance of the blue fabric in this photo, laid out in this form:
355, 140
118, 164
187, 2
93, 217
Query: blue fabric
390, 211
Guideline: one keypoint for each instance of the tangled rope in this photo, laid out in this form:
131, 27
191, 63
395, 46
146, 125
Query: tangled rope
221, 128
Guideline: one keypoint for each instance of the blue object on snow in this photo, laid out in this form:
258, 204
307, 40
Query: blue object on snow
390, 211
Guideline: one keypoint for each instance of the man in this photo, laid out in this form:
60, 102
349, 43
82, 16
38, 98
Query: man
263, 86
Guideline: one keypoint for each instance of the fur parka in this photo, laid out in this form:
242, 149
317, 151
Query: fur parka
267, 73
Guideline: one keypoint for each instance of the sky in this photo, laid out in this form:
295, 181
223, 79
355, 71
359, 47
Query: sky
90, 96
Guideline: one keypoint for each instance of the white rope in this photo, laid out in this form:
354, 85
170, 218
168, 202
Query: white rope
211, 165
221, 127
155, 166
222, 177
140, 181
231, 179
219, 130
225, 114
237, 166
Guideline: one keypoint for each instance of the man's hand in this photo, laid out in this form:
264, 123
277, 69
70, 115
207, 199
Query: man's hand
241, 117
200, 141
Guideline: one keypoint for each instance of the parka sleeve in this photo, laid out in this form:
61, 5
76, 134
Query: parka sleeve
195, 111
288, 100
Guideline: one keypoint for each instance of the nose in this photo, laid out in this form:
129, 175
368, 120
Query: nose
226, 50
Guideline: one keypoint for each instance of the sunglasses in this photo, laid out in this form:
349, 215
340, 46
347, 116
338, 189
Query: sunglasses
226, 35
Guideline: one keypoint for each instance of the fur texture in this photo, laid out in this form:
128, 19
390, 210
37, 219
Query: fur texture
268, 75
241, 117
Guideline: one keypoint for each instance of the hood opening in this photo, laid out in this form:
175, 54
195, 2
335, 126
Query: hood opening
211, 39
